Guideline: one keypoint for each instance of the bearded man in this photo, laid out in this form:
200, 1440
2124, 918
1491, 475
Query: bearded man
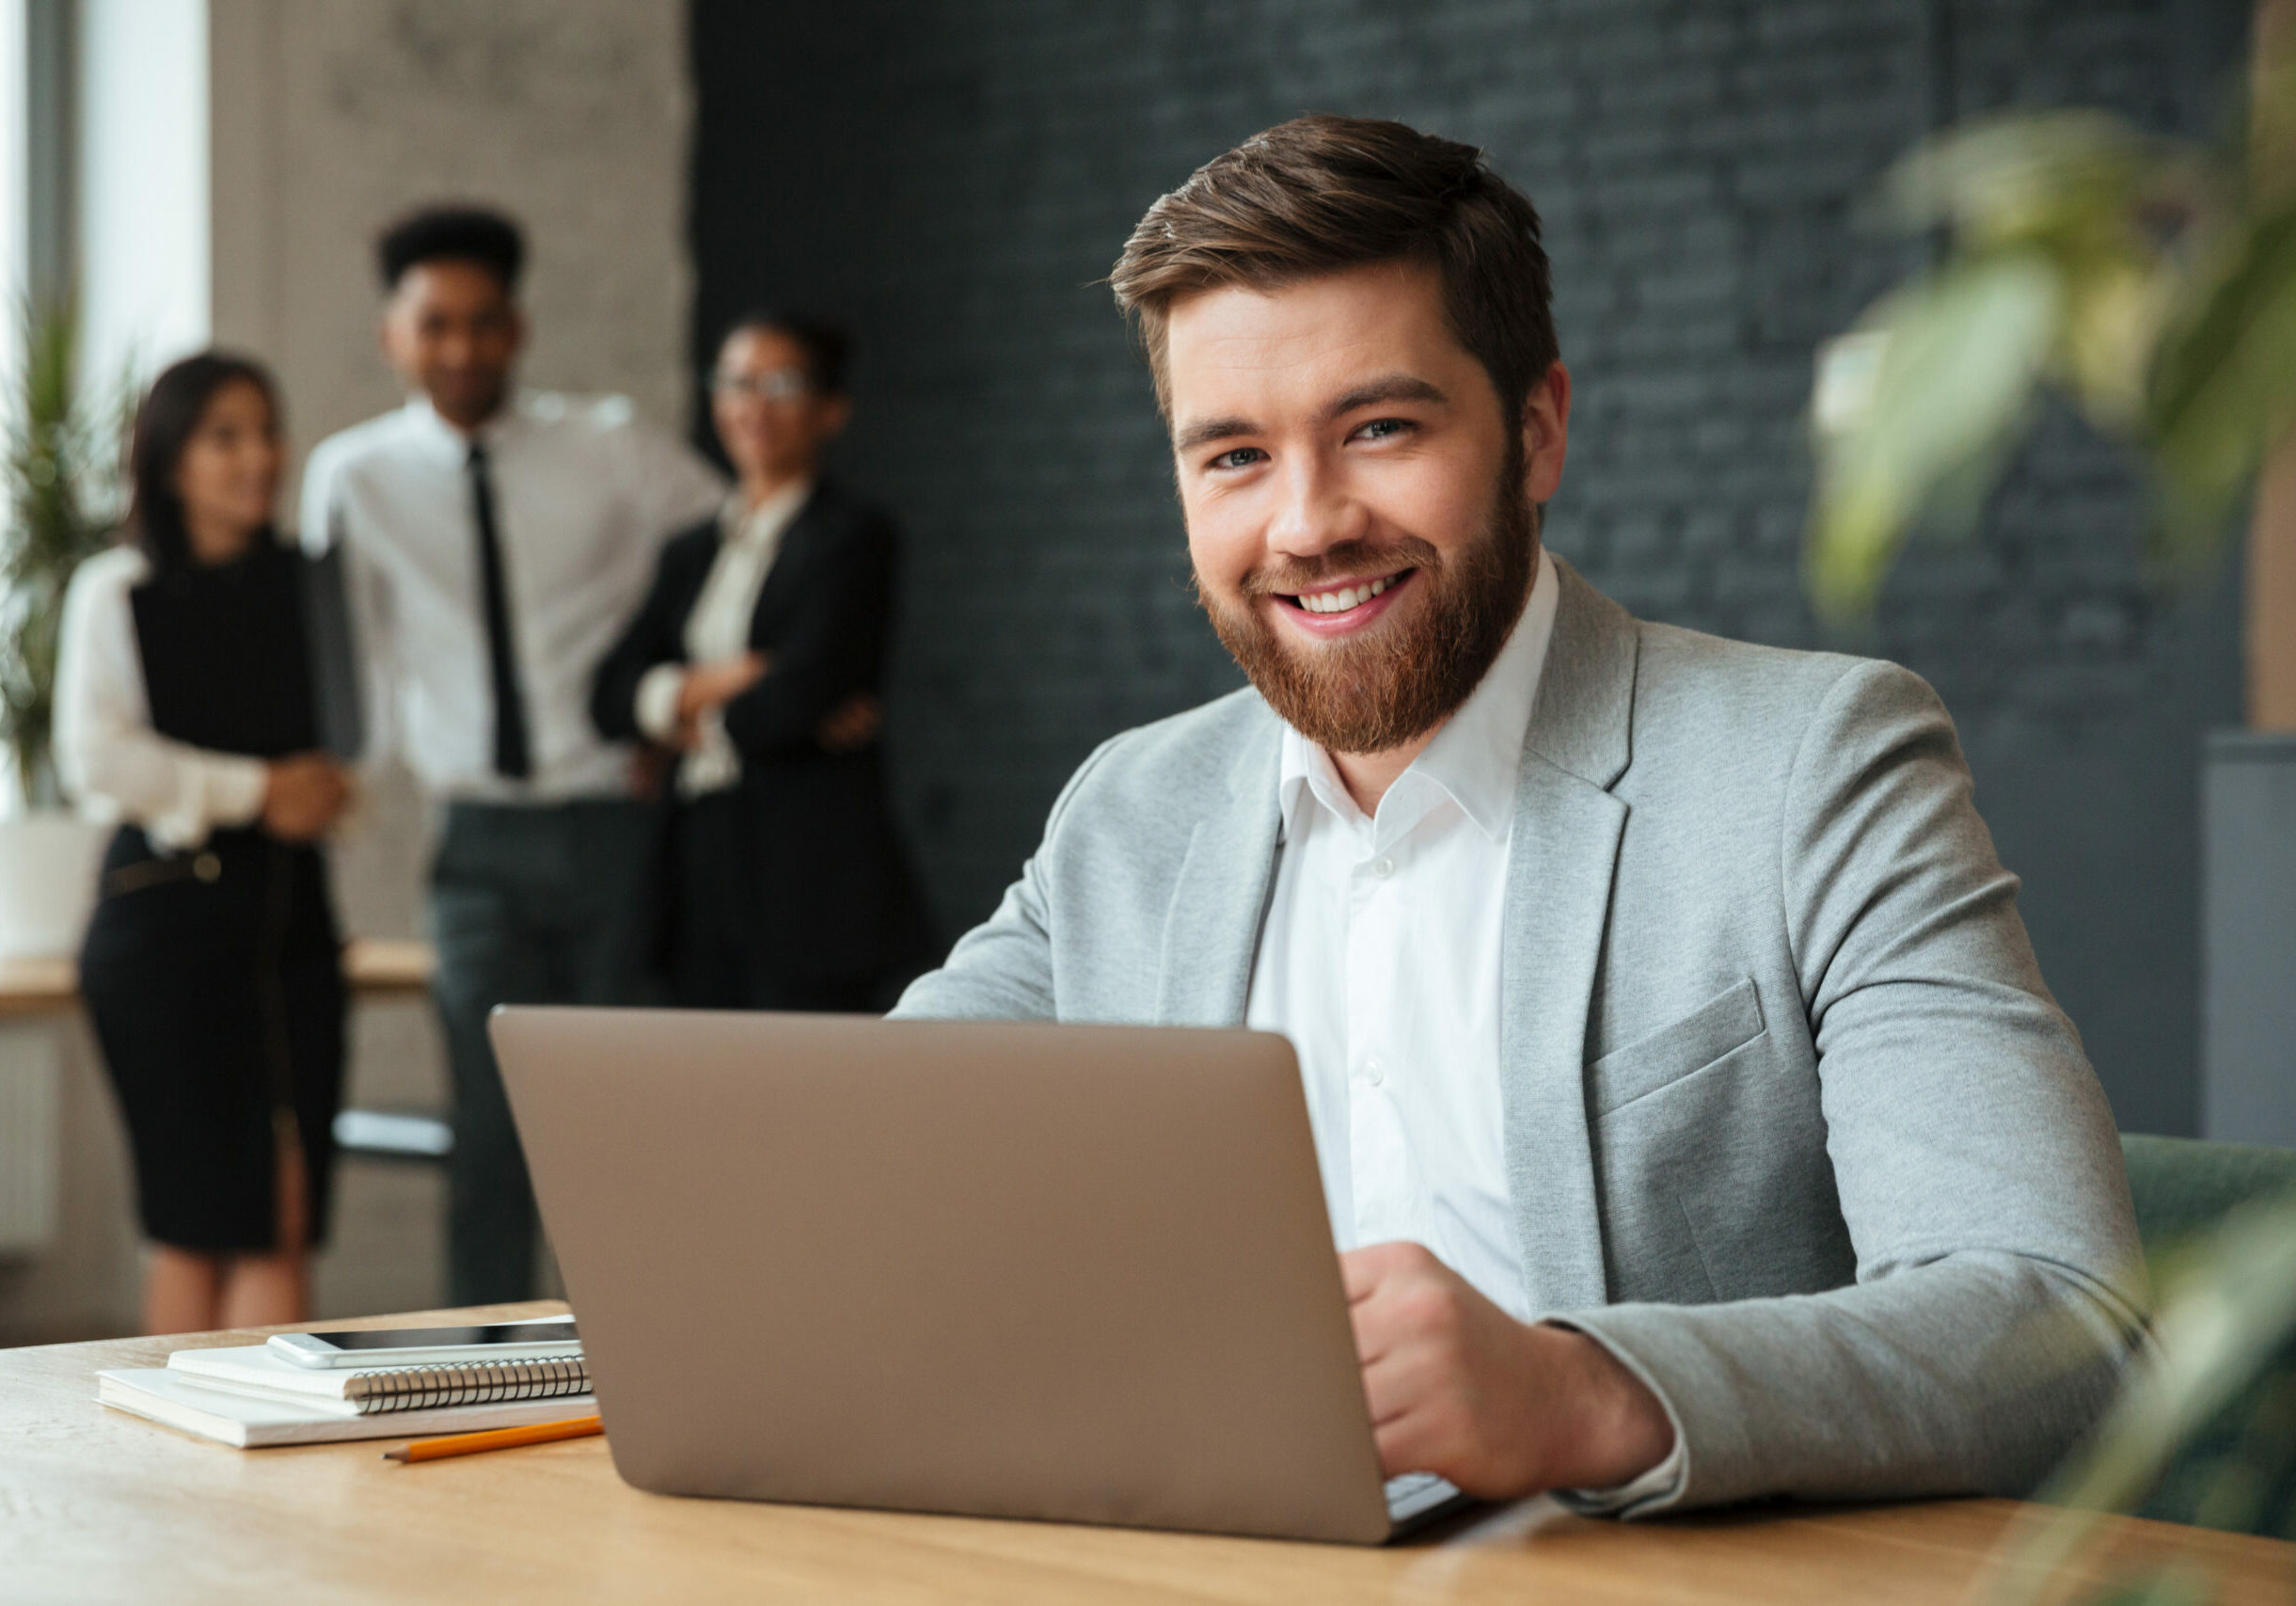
1693, 1119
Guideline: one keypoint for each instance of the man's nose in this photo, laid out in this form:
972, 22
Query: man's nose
1314, 511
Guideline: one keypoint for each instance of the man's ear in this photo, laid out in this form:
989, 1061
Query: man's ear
837, 414
1546, 433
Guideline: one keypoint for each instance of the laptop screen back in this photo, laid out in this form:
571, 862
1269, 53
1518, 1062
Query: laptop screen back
1070, 1272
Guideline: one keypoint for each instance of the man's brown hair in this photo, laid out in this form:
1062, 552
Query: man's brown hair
1320, 195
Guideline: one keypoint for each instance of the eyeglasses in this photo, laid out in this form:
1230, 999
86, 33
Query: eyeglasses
778, 385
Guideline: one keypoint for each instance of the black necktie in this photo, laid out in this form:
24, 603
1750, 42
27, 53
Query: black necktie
511, 754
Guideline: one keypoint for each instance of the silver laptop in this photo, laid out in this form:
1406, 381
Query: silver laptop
1079, 1273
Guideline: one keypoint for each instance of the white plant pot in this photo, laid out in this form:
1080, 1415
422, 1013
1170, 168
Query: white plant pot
47, 865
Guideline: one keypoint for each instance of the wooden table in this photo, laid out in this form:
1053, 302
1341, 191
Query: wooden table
374, 969
98, 1507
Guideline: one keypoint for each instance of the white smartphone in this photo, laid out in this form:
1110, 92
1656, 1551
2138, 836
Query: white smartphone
550, 1338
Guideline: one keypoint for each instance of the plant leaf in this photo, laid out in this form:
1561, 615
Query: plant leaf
60, 476
2002, 179
2223, 386
1962, 353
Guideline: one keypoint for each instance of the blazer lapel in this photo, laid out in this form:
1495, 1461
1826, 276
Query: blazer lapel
699, 560
1220, 900
786, 572
1567, 830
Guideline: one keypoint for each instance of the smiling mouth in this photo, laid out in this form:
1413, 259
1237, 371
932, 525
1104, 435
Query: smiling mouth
1346, 598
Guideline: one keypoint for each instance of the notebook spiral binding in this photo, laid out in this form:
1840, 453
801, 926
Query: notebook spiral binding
465, 1383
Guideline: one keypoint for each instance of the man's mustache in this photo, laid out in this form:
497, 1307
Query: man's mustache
1350, 560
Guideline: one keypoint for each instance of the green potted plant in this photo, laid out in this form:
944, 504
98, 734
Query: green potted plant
62, 479
2152, 284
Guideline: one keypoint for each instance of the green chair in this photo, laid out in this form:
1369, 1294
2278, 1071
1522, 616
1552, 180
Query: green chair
2239, 1472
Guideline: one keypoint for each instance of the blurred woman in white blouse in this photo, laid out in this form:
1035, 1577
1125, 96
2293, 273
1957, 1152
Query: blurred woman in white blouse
185, 712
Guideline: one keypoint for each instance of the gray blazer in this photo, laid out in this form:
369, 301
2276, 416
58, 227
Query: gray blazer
1792, 1125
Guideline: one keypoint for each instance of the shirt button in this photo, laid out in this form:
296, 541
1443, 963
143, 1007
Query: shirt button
1375, 1072
1383, 866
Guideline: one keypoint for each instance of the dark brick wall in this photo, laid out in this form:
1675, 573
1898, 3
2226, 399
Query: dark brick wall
954, 178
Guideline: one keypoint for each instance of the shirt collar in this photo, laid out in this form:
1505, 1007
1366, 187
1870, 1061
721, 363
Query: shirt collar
438, 436
1474, 759
769, 518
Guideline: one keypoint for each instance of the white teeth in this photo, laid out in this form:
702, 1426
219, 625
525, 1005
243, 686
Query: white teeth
1340, 602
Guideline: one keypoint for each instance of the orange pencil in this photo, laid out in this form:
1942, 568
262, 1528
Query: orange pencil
499, 1438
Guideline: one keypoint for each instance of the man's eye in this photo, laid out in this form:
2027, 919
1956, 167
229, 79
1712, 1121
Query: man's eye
1380, 429
1242, 457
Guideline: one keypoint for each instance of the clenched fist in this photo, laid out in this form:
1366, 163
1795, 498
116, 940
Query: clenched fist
1500, 1407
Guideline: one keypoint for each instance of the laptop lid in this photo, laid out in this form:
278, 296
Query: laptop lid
1081, 1273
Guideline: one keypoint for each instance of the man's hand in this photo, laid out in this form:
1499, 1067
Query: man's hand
1500, 1407
852, 724
303, 795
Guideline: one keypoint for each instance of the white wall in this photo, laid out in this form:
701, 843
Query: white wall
142, 183
332, 116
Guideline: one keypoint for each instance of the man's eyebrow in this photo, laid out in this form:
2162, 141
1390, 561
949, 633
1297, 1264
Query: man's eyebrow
1388, 388
1204, 434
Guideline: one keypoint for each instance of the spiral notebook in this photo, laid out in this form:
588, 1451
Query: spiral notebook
250, 1421
260, 1372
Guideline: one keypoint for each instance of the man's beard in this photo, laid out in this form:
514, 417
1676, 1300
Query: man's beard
1396, 681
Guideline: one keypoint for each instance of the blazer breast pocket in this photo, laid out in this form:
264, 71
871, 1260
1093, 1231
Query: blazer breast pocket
1722, 1024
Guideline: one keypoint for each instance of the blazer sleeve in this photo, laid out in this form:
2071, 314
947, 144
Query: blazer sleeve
835, 647
656, 636
1001, 970
2000, 1286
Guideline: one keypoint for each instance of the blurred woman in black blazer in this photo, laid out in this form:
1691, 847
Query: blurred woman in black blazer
756, 660
186, 711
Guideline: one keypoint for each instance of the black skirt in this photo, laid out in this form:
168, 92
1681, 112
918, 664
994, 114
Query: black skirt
215, 982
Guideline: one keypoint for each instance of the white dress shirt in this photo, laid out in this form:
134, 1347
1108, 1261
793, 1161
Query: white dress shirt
584, 494
1380, 962
112, 763
718, 629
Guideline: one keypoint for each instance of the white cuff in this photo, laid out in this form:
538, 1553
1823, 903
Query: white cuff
211, 789
1663, 1481
714, 765
236, 787
655, 709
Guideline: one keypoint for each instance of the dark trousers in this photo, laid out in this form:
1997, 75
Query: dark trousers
543, 904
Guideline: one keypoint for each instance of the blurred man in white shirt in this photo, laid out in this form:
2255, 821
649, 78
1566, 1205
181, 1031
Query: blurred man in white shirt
495, 541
